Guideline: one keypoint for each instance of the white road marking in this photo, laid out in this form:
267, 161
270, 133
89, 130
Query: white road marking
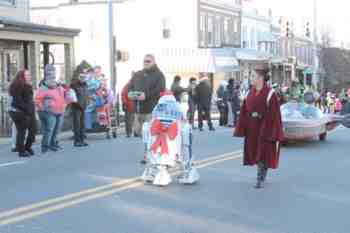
11, 163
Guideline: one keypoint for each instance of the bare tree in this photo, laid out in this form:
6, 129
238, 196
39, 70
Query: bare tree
327, 39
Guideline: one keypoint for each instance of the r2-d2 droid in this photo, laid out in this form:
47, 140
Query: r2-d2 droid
168, 143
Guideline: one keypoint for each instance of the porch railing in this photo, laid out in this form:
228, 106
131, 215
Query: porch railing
5, 121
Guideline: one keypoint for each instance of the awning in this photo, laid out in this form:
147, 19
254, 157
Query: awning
224, 60
266, 37
251, 55
188, 60
17, 26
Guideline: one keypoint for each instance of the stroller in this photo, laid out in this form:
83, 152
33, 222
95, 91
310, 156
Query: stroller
101, 114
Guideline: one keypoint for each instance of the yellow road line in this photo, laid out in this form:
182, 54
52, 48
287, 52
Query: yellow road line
66, 201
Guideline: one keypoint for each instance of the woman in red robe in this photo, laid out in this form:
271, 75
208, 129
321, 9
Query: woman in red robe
261, 126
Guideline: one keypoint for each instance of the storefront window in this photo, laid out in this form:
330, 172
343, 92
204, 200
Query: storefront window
227, 39
8, 2
9, 68
202, 23
210, 33
218, 31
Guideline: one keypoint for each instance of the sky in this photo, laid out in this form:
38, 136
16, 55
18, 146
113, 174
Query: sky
333, 15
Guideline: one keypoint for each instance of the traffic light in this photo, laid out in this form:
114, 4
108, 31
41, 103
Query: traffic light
307, 30
125, 56
122, 56
118, 56
287, 29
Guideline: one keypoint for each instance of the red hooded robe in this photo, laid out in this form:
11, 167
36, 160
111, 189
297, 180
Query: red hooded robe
261, 135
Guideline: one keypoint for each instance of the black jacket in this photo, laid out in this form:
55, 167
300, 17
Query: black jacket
152, 83
177, 90
23, 100
81, 90
232, 96
203, 94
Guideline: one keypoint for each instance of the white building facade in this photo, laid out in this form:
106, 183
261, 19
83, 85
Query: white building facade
184, 35
15, 10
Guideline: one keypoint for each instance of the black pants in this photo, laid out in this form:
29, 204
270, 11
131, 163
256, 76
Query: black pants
23, 124
204, 113
191, 112
78, 125
262, 171
129, 122
223, 115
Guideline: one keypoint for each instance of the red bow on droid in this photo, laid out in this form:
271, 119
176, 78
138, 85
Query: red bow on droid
162, 132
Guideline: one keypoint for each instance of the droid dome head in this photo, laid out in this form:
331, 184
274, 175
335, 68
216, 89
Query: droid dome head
167, 109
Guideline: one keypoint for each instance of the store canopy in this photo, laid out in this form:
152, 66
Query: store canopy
266, 37
225, 60
17, 26
188, 60
251, 55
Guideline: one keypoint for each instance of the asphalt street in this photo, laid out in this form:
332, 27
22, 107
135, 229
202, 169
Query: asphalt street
97, 190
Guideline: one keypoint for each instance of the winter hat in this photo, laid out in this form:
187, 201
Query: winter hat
49, 73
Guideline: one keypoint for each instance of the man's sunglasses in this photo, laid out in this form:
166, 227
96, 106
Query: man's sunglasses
147, 61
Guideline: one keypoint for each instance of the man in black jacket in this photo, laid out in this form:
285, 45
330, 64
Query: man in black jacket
203, 98
79, 85
177, 89
148, 83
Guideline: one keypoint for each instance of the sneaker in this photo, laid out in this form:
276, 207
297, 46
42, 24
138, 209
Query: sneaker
78, 144
14, 150
30, 152
201, 129
52, 148
23, 154
58, 147
143, 162
84, 144
211, 129
44, 150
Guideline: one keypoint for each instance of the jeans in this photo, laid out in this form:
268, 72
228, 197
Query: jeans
78, 125
23, 124
13, 136
191, 112
88, 120
48, 124
57, 129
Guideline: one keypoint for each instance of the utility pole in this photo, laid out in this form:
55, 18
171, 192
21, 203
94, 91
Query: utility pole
315, 47
113, 69
112, 47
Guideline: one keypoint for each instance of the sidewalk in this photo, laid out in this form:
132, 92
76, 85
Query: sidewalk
64, 136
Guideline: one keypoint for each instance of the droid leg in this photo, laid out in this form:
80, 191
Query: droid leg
190, 174
150, 169
162, 177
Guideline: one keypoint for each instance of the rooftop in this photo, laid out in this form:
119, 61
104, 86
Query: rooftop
17, 26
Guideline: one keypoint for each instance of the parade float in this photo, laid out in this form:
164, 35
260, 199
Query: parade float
303, 121
168, 144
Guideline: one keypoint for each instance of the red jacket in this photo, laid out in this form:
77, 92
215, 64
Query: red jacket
128, 104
